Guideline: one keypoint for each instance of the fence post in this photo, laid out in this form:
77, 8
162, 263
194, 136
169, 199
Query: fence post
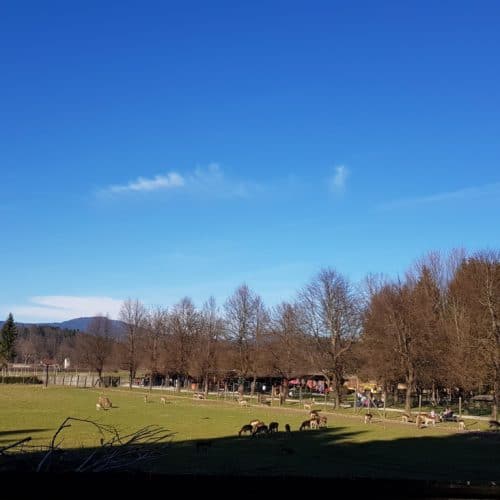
419, 404
460, 407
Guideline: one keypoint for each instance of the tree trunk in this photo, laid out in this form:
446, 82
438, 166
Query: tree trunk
284, 391
337, 387
496, 397
252, 386
206, 385
409, 388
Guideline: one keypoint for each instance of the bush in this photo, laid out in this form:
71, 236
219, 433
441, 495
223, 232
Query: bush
20, 380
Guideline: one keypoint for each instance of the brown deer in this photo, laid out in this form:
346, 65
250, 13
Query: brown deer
368, 418
163, 400
273, 427
104, 403
494, 424
246, 428
260, 430
255, 423
306, 424
309, 406
461, 425
419, 421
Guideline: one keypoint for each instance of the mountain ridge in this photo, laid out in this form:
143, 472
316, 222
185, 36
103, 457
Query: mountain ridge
81, 324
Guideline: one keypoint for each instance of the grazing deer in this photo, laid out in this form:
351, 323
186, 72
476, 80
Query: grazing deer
98, 406
309, 406
494, 424
429, 420
314, 423
163, 400
405, 418
198, 396
419, 421
314, 414
255, 423
104, 402
246, 428
368, 418
273, 427
243, 402
260, 429
306, 424
287, 428
461, 425
323, 421
146, 397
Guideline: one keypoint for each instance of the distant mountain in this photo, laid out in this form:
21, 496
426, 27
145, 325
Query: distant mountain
81, 324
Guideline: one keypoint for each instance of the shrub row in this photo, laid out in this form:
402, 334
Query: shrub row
20, 380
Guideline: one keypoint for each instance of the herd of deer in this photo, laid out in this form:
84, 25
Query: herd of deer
258, 427
104, 403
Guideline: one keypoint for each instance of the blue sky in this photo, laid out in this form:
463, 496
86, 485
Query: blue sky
160, 149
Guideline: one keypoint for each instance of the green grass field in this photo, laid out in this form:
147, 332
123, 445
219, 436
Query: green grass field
347, 448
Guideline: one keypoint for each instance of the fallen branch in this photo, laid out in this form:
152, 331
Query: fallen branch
13, 445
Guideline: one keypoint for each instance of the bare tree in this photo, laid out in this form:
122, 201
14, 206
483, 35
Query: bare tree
285, 344
476, 293
245, 323
183, 335
332, 320
206, 352
95, 346
133, 314
155, 335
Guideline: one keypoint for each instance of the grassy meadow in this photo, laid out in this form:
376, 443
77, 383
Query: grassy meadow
347, 448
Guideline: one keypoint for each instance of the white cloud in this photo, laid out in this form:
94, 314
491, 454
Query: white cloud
212, 182
459, 195
168, 181
207, 181
50, 308
337, 182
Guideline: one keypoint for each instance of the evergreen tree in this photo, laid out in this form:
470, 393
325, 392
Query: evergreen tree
7, 339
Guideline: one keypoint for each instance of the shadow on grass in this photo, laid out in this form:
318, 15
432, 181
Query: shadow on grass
21, 431
458, 466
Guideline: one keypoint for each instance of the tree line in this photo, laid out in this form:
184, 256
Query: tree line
436, 327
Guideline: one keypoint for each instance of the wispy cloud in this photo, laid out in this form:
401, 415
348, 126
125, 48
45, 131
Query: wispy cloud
168, 181
466, 194
337, 182
207, 181
63, 307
